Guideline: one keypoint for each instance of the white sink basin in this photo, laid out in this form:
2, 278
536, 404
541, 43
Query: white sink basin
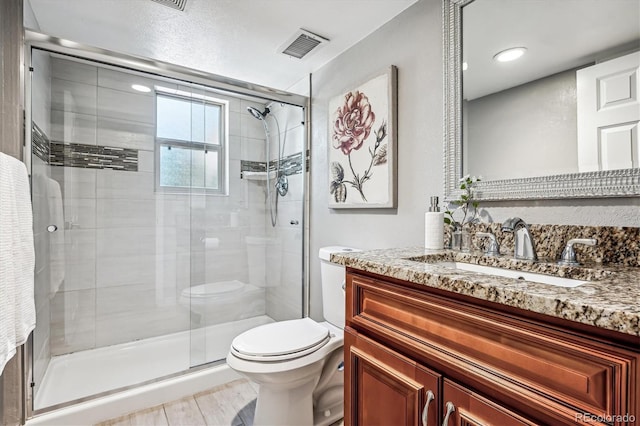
509, 273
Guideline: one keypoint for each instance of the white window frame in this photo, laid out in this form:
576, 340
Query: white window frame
221, 148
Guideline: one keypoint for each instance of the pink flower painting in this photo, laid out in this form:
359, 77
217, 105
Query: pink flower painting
353, 122
352, 126
361, 142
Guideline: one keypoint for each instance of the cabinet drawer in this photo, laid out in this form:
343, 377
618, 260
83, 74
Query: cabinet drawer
525, 361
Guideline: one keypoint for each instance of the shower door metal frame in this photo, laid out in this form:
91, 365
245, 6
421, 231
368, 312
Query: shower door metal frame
44, 42
28, 356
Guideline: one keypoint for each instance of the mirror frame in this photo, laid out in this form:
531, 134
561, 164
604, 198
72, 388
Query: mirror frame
600, 184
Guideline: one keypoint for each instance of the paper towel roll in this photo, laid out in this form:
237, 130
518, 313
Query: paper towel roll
434, 230
210, 242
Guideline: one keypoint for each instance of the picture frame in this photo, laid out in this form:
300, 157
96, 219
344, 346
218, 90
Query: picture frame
362, 144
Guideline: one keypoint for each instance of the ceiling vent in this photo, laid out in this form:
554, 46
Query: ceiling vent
301, 44
173, 4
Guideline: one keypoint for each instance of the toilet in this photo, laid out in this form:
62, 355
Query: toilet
227, 301
299, 363
223, 301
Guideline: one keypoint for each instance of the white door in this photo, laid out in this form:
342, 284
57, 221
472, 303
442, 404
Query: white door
608, 114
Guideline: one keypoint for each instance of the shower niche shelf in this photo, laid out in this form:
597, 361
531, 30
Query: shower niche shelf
258, 175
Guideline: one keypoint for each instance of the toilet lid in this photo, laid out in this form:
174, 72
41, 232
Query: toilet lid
281, 340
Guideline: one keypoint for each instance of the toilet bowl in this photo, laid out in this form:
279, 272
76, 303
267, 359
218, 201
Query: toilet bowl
223, 301
227, 301
298, 363
289, 375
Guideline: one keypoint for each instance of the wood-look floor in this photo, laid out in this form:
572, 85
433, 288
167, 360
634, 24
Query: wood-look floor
232, 404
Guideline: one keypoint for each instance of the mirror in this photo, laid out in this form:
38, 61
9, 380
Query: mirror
559, 122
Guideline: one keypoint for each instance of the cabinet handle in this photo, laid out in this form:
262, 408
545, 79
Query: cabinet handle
450, 409
425, 411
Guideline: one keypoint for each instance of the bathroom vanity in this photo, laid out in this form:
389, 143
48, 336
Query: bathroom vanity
427, 343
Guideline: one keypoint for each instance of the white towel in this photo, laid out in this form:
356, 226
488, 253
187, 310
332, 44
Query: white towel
17, 258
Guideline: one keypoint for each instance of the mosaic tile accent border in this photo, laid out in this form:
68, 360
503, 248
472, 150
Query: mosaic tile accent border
290, 165
93, 156
85, 156
39, 143
252, 166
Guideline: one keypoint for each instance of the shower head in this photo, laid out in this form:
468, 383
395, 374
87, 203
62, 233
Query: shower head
257, 114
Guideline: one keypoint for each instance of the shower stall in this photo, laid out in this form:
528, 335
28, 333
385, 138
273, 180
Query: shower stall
154, 193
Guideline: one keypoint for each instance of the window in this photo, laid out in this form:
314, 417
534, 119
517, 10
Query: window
190, 143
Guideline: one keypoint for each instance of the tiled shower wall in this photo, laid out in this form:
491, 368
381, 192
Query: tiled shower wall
129, 250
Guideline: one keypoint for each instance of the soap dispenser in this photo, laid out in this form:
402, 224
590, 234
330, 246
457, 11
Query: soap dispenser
434, 226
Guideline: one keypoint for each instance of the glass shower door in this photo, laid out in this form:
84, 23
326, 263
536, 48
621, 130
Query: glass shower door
109, 275
152, 250
47, 225
249, 272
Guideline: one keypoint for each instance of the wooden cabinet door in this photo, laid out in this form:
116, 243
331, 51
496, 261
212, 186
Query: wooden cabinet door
462, 407
539, 370
385, 388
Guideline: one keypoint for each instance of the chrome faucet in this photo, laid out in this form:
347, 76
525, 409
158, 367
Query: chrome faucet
493, 249
568, 257
524, 248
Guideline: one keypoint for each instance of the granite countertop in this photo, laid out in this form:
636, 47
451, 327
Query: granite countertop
611, 300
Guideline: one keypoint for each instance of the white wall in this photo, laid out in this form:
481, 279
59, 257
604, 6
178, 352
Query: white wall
528, 130
30, 20
413, 42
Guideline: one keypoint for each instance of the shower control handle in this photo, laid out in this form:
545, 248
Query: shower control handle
52, 228
294, 222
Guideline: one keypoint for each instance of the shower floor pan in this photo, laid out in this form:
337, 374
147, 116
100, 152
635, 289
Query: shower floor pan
82, 374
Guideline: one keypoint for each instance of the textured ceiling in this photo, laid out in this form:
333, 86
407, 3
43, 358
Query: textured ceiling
232, 38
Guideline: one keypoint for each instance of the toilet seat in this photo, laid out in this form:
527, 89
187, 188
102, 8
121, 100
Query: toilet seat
221, 288
280, 341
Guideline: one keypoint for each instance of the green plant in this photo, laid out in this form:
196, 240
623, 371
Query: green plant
466, 203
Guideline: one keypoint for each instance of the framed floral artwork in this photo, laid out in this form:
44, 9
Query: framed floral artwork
362, 145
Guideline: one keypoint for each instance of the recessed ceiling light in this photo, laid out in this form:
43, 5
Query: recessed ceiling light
510, 54
69, 43
465, 66
141, 88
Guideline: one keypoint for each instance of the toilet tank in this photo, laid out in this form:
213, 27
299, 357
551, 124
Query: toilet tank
333, 276
264, 257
